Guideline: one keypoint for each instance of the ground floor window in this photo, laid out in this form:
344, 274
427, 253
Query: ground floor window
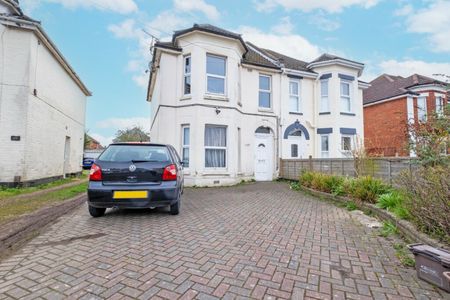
185, 143
215, 146
346, 143
324, 146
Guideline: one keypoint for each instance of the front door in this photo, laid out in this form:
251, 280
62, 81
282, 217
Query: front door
263, 157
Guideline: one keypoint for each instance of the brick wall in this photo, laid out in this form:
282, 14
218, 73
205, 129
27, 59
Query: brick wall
385, 127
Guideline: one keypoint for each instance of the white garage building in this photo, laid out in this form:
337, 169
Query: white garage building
233, 109
42, 104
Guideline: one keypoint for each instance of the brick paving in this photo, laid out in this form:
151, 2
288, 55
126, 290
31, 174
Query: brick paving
259, 241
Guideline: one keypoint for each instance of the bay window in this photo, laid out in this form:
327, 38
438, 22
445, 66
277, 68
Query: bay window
422, 109
215, 146
215, 74
439, 106
346, 143
346, 103
324, 105
185, 144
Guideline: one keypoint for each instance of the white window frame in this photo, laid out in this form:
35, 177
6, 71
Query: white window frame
265, 91
347, 97
422, 111
187, 74
324, 99
216, 76
184, 145
439, 105
342, 143
217, 148
324, 154
299, 104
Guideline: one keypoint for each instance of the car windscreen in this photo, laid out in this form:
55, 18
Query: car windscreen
137, 153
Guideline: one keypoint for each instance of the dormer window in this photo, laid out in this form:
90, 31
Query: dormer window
215, 74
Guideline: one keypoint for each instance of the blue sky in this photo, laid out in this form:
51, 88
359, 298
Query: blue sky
105, 43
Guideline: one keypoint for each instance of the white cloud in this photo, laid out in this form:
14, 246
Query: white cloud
404, 10
284, 27
118, 6
409, 67
124, 123
324, 22
288, 43
434, 21
210, 11
330, 6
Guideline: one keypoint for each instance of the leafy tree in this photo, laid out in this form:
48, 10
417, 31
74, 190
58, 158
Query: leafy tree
134, 134
87, 140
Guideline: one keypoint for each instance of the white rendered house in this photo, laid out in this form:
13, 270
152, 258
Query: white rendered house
233, 109
42, 104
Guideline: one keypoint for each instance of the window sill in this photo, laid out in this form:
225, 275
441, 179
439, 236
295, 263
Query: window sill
216, 97
324, 113
186, 97
295, 113
216, 172
347, 114
267, 110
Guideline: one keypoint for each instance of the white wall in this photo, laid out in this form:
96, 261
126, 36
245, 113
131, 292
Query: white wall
43, 120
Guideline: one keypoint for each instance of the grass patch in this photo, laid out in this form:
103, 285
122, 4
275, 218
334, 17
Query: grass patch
11, 192
404, 256
350, 206
12, 208
388, 229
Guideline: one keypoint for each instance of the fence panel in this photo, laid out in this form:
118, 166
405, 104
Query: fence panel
384, 168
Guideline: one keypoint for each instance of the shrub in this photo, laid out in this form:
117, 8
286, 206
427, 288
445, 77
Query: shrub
333, 184
390, 200
428, 201
367, 189
306, 178
318, 182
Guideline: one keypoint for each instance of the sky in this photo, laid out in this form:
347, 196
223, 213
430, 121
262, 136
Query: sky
108, 42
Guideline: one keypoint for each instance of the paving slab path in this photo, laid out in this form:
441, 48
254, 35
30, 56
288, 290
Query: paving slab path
259, 240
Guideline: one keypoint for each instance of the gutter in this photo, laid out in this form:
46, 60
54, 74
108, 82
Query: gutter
37, 28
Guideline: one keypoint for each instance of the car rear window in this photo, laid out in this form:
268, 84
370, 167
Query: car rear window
117, 153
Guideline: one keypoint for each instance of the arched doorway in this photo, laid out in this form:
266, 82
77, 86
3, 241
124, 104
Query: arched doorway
263, 154
294, 141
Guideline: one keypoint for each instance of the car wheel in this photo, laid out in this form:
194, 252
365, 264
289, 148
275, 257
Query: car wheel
175, 208
96, 211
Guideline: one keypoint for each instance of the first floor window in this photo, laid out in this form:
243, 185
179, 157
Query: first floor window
185, 143
346, 143
294, 96
187, 75
215, 74
422, 108
294, 150
346, 103
265, 90
324, 106
215, 146
324, 146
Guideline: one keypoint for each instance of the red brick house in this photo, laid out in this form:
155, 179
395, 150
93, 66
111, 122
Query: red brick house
390, 103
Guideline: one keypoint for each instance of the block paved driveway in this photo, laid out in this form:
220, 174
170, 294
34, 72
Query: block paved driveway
251, 241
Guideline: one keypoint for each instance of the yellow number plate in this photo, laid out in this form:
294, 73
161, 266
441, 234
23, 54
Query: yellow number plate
130, 194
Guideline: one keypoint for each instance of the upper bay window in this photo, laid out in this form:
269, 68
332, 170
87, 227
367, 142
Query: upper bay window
265, 92
346, 101
215, 74
324, 104
294, 96
422, 108
187, 75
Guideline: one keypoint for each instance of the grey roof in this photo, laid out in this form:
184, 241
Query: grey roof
387, 86
167, 45
287, 61
210, 29
329, 57
252, 57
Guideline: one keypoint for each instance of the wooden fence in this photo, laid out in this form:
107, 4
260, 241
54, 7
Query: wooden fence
384, 168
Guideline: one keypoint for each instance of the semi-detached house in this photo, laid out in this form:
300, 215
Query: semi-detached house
233, 109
